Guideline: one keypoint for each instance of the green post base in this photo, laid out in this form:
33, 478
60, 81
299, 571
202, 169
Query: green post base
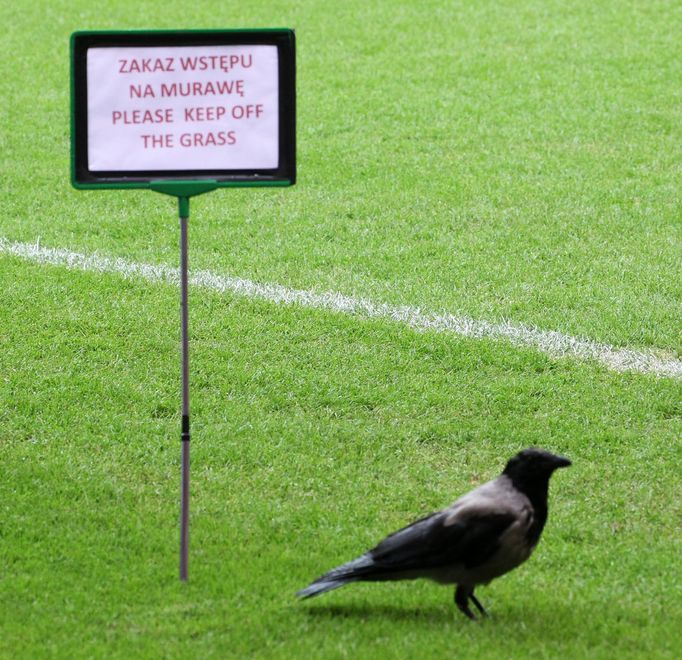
183, 190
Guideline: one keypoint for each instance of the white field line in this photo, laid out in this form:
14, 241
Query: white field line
555, 344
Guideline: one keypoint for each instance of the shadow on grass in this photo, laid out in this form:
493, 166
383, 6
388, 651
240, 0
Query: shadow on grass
385, 611
526, 620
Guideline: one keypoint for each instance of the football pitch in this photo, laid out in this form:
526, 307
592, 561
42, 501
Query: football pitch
481, 254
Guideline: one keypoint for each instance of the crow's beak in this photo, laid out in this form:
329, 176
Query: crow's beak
561, 462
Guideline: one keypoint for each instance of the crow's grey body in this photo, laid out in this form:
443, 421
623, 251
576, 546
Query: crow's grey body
482, 535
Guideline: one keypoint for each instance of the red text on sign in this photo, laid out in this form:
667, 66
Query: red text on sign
164, 140
247, 111
160, 116
217, 139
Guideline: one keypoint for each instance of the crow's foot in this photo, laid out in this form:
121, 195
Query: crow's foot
476, 602
462, 595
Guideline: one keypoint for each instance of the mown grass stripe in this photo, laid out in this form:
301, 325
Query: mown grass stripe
553, 343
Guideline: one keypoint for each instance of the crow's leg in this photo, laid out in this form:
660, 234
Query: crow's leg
475, 601
462, 595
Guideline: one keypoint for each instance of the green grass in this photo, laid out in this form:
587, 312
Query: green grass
515, 160
315, 435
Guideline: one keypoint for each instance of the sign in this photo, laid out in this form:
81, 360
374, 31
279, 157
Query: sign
149, 107
183, 112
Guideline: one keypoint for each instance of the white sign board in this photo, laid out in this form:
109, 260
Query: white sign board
190, 108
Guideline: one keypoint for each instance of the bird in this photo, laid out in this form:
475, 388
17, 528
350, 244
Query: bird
481, 536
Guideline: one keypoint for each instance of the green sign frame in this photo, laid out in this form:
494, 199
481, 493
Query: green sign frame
181, 182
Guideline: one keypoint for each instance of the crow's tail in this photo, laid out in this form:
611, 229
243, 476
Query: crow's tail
320, 586
338, 577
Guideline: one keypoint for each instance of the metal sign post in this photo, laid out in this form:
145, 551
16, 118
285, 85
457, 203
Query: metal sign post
183, 191
183, 203
183, 112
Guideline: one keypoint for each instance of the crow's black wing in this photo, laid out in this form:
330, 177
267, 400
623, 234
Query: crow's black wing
443, 539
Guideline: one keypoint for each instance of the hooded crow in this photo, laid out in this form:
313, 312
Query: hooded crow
484, 534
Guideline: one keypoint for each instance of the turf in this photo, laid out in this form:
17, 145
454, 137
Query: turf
514, 160
315, 435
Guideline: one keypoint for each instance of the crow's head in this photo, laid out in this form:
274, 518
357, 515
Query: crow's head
534, 465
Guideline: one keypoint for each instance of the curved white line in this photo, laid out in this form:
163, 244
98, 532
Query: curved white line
553, 343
